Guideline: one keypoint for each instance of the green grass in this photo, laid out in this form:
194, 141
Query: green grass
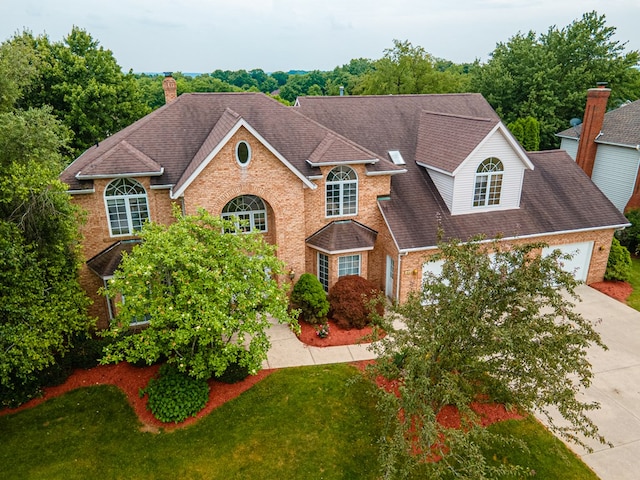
547, 456
634, 299
299, 423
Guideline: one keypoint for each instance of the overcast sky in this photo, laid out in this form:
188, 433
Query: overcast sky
204, 35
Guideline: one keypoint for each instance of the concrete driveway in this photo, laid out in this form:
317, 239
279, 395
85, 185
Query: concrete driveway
616, 386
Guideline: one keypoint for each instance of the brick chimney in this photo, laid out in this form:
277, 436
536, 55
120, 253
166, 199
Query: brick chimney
592, 126
170, 88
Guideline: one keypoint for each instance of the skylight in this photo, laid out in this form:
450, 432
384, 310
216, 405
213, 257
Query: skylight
396, 157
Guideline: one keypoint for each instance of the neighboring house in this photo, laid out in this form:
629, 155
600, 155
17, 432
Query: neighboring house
343, 185
607, 147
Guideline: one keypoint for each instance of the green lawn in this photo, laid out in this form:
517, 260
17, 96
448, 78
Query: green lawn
634, 299
299, 423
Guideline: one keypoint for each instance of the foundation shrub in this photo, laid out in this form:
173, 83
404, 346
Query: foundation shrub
354, 302
234, 373
309, 297
619, 263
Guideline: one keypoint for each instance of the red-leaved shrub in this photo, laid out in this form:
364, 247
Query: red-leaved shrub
352, 301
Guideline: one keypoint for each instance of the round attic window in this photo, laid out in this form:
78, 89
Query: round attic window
243, 153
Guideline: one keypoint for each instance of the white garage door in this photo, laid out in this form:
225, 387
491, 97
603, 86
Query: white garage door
579, 264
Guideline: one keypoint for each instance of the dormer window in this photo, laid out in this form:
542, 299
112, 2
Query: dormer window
488, 184
127, 209
342, 192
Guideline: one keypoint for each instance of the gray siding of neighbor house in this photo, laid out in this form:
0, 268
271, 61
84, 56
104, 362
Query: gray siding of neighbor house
615, 173
570, 146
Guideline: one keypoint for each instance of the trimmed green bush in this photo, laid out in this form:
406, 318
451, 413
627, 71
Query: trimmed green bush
309, 297
234, 373
175, 396
619, 263
354, 302
630, 236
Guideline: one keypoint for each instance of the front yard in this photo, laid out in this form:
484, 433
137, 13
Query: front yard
298, 423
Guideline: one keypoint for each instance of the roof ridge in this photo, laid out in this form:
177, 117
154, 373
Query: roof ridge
463, 117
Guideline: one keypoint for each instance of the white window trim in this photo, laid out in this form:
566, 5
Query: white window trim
343, 258
249, 154
325, 284
489, 176
341, 184
234, 216
127, 206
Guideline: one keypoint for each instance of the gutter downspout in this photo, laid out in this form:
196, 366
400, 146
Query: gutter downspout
399, 269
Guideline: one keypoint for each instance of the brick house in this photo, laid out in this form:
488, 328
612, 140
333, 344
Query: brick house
606, 145
342, 185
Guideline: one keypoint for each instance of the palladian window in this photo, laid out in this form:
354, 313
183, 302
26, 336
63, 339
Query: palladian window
248, 212
488, 185
127, 207
342, 192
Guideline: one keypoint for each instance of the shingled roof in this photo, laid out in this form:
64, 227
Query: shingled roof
621, 126
178, 137
557, 196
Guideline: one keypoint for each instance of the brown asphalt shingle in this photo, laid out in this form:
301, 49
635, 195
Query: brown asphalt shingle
343, 235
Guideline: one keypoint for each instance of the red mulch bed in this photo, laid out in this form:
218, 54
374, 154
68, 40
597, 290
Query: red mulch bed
337, 336
131, 379
615, 289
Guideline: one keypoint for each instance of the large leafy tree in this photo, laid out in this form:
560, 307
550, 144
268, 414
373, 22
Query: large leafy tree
42, 306
406, 69
546, 77
493, 327
83, 84
206, 293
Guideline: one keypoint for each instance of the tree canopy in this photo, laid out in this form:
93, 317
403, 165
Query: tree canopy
206, 294
496, 327
546, 76
407, 69
42, 305
83, 84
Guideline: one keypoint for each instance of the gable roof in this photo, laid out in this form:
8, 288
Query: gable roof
621, 127
556, 195
181, 135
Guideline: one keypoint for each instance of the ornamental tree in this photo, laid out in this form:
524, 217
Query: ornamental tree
496, 327
205, 292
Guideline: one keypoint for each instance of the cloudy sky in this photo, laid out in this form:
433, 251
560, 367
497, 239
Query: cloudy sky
204, 35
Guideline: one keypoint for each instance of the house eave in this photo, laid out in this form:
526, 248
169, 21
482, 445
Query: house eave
385, 172
346, 162
80, 176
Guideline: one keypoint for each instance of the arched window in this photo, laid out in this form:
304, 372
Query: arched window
488, 183
248, 212
342, 192
127, 209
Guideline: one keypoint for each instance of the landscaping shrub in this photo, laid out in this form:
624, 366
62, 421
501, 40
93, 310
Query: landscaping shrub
309, 297
20, 392
234, 373
354, 301
630, 236
619, 263
175, 396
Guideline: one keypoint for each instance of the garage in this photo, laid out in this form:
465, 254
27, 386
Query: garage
579, 264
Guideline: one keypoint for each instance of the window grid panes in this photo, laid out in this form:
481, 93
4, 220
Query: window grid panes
488, 185
349, 265
248, 212
127, 207
323, 270
341, 192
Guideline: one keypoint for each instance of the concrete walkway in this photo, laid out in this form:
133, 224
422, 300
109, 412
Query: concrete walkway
616, 384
